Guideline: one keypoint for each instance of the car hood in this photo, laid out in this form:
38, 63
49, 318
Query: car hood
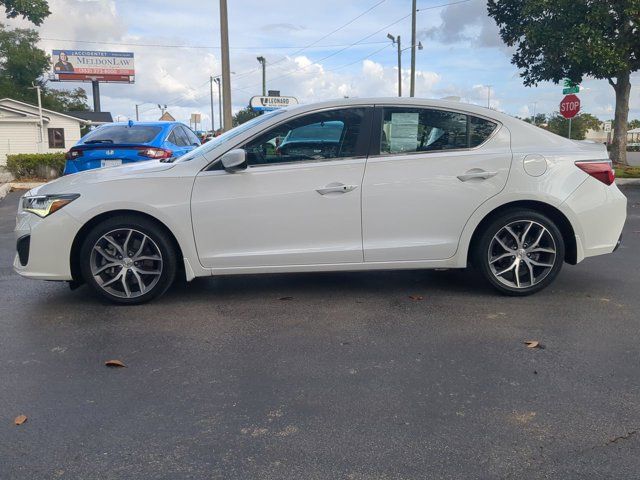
67, 183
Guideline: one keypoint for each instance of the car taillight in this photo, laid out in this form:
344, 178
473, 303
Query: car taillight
73, 154
155, 153
600, 170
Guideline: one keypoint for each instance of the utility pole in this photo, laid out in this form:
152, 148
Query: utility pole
263, 62
211, 95
412, 89
396, 41
489, 96
40, 120
226, 67
137, 113
535, 104
217, 80
96, 95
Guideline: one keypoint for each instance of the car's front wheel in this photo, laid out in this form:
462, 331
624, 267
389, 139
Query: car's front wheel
520, 252
128, 260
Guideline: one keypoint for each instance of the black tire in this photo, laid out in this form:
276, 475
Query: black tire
497, 249
156, 275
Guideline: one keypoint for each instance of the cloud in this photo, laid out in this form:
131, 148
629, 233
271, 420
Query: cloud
467, 22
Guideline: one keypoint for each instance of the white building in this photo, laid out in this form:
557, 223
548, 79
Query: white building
20, 129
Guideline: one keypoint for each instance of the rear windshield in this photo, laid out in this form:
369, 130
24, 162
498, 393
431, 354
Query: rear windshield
123, 134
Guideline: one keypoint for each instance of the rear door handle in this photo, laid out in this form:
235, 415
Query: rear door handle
336, 188
471, 174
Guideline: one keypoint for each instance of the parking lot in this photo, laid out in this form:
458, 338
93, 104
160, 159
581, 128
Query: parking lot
374, 375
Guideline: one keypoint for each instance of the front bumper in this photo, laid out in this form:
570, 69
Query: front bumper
49, 245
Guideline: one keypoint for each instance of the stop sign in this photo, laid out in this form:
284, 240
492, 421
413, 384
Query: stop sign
569, 106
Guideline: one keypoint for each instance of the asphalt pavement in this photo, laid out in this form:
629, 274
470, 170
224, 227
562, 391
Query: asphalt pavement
325, 376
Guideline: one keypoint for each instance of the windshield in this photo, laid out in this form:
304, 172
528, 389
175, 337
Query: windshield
122, 134
234, 132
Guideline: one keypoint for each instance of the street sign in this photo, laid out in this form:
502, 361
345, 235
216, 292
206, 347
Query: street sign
569, 106
271, 103
607, 126
570, 87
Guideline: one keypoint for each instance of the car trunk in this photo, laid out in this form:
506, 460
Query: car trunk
84, 157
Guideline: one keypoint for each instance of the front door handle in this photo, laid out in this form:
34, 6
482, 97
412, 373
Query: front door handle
476, 173
336, 188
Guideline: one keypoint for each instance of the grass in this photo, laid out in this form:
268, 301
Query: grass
627, 172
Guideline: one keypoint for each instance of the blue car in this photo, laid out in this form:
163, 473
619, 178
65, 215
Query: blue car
118, 143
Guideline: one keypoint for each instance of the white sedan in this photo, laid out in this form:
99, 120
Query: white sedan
357, 184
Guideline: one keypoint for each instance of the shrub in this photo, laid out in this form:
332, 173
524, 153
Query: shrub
627, 172
36, 165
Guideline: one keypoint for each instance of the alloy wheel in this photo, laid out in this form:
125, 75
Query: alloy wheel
522, 254
126, 263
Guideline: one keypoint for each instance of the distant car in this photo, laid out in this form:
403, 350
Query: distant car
357, 184
118, 143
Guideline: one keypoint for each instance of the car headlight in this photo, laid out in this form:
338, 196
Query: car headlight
44, 205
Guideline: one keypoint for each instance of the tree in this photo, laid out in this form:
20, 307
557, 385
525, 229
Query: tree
33, 10
65, 100
579, 125
558, 39
539, 119
22, 66
21, 62
634, 124
244, 115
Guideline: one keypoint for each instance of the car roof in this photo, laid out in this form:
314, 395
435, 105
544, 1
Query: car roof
403, 101
148, 124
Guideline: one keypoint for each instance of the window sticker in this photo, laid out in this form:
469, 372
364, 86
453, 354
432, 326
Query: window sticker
404, 132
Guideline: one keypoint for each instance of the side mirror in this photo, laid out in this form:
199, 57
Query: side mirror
234, 160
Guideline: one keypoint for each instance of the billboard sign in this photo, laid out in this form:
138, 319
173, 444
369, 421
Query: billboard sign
271, 103
88, 65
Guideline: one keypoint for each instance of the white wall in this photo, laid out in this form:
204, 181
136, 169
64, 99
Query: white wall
17, 137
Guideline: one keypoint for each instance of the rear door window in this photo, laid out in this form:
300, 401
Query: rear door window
409, 129
123, 134
178, 137
191, 137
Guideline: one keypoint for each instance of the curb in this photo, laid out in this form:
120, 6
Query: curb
25, 185
627, 181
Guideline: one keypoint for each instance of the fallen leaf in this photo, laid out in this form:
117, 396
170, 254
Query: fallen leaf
532, 344
114, 363
284, 299
20, 419
416, 298
605, 300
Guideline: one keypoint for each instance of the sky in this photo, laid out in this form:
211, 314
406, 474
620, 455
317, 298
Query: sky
314, 51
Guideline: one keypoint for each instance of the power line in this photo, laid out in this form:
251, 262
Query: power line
332, 32
202, 47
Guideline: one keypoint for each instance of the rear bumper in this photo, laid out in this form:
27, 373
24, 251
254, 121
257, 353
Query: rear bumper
599, 212
75, 166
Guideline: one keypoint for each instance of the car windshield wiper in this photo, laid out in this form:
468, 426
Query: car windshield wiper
106, 140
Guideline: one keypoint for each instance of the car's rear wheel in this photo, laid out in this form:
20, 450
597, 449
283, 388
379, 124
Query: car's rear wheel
128, 260
520, 252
